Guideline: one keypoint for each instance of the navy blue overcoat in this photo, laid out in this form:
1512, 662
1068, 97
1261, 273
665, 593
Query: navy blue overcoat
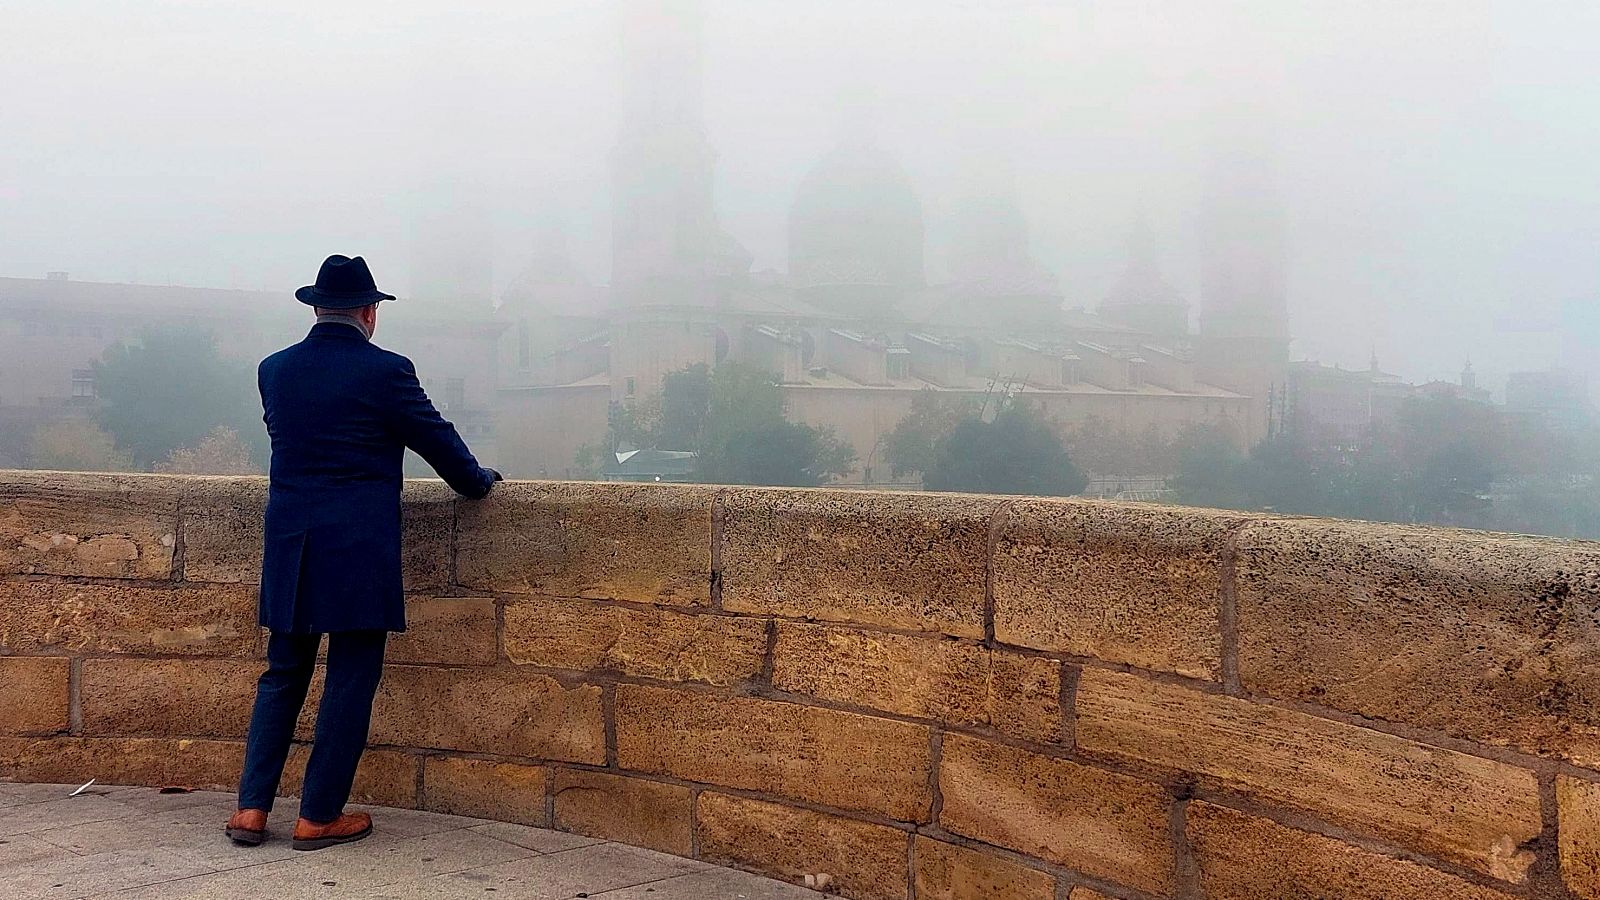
341, 412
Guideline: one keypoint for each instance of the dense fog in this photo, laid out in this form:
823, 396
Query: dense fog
1437, 159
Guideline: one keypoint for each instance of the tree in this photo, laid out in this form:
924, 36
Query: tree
1211, 472
1433, 464
221, 452
77, 446
685, 407
170, 389
746, 439
733, 419
1449, 450
910, 447
1016, 453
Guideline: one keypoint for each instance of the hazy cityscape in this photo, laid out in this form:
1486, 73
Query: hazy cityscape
1325, 261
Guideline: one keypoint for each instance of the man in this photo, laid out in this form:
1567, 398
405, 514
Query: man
341, 413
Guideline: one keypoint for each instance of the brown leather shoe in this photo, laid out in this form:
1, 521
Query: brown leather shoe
308, 835
247, 827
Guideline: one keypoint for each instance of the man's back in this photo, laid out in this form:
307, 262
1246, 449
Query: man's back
341, 413
323, 400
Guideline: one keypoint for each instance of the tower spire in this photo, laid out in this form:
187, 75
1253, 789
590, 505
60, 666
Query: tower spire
1244, 329
667, 246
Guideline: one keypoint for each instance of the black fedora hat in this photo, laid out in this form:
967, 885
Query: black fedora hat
343, 282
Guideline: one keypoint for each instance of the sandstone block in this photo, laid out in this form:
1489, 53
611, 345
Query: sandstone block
110, 526
820, 755
198, 620
645, 543
204, 698
865, 861
1096, 822
488, 711
953, 681
427, 522
587, 636
1242, 857
910, 561
222, 529
153, 762
506, 792
383, 777
1486, 637
1470, 810
631, 810
451, 630
1121, 583
33, 694
1083, 893
1578, 807
947, 872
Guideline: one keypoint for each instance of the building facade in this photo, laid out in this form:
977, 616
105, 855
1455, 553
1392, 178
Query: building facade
853, 331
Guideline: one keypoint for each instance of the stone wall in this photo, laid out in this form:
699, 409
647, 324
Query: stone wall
915, 695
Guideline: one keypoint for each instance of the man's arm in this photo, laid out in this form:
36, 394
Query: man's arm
422, 429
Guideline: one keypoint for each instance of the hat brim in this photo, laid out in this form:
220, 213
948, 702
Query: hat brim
310, 296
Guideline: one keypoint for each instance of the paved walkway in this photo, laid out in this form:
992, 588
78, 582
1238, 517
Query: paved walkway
121, 843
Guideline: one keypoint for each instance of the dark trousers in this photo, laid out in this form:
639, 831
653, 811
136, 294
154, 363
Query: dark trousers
355, 664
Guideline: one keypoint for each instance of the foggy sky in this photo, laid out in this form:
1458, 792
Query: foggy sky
1440, 161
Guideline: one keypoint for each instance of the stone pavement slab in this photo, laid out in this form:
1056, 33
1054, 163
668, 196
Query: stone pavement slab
121, 843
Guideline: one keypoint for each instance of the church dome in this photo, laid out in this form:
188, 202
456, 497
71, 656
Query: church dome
989, 254
855, 228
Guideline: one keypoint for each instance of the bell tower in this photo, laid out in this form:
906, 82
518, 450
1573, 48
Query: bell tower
667, 247
1244, 318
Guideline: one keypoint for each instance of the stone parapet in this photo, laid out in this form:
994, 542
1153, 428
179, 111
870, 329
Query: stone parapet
887, 696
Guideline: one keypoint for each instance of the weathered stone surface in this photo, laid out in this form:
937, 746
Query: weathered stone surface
222, 531
33, 694
1083, 893
865, 861
154, 762
201, 620
111, 526
910, 561
488, 711
508, 792
1242, 857
1470, 810
427, 521
1578, 806
952, 681
646, 543
452, 630
827, 757
194, 698
1126, 584
1096, 822
1486, 637
648, 643
947, 872
383, 777
631, 810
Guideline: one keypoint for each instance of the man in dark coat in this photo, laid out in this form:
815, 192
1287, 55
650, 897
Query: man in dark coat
341, 412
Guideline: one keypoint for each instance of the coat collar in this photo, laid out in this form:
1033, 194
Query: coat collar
337, 330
